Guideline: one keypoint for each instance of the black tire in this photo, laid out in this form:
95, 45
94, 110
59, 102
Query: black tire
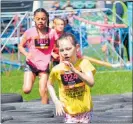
110, 120
5, 117
119, 110
7, 107
39, 120
11, 98
27, 114
102, 108
24, 122
32, 111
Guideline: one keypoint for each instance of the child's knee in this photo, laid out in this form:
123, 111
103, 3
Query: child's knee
26, 90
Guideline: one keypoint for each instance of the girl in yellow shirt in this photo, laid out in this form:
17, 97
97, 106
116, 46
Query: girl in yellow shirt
74, 77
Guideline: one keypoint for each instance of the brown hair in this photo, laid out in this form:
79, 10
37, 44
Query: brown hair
67, 36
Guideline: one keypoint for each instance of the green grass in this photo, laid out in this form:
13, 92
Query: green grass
112, 82
106, 82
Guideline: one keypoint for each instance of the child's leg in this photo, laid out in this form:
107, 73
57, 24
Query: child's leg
29, 78
43, 87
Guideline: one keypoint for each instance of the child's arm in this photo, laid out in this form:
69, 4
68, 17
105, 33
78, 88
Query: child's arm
22, 49
86, 77
54, 55
58, 105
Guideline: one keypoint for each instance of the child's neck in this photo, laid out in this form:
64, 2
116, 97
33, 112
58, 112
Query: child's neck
74, 60
42, 31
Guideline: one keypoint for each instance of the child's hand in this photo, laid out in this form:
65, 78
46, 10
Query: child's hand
55, 56
73, 69
59, 108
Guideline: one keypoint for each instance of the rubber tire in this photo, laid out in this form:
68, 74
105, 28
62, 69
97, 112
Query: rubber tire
11, 98
5, 117
7, 107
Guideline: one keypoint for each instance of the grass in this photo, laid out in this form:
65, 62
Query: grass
116, 82
106, 82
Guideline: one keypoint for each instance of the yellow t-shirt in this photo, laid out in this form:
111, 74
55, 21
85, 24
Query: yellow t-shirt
73, 92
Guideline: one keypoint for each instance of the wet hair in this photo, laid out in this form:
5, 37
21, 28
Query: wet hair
67, 36
47, 15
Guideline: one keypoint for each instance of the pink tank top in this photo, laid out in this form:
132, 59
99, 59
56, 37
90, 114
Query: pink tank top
40, 48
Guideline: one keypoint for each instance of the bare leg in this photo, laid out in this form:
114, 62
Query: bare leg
43, 87
29, 79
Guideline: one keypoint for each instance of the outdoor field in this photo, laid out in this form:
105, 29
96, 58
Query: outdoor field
96, 32
107, 81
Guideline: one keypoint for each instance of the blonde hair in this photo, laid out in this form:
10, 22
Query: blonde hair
58, 19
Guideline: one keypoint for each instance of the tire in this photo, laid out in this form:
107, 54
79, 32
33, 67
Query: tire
11, 98
5, 117
31, 111
39, 120
110, 120
27, 114
7, 107
36, 121
110, 99
102, 108
24, 122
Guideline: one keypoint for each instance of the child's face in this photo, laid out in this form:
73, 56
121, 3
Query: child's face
67, 50
40, 19
59, 25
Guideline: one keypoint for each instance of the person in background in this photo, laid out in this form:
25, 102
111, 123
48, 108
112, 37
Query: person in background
106, 39
39, 41
67, 5
56, 6
74, 77
58, 25
120, 8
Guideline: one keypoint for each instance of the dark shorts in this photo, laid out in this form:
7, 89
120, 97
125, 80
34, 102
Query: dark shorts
33, 69
55, 63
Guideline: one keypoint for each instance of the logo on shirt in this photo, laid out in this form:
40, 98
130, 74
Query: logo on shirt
42, 43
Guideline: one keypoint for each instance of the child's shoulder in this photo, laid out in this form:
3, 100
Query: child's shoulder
30, 30
58, 67
84, 58
52, 32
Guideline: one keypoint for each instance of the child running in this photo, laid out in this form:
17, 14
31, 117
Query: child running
74, 77
40, 42
59, 28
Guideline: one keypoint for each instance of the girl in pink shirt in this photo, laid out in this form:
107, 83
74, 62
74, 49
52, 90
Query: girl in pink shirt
40, 42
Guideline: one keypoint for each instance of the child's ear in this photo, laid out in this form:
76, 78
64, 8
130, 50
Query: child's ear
77, 47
